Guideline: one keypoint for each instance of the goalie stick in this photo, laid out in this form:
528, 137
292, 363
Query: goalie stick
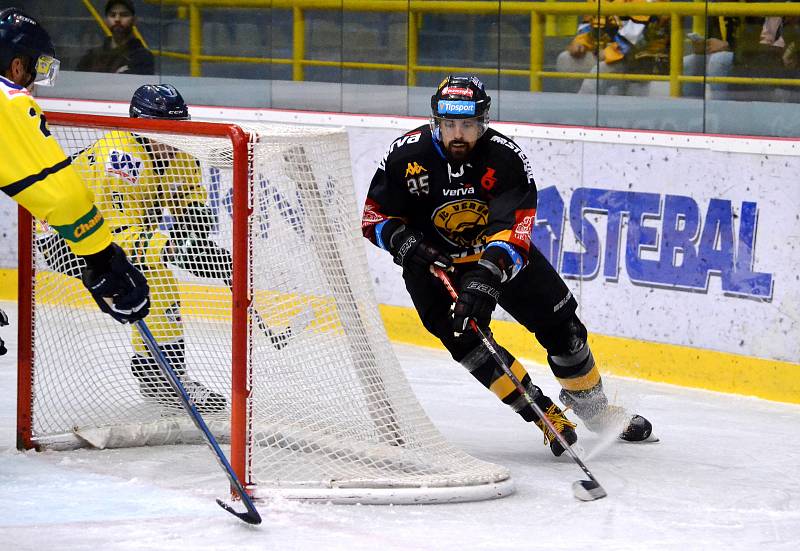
585, 490
280, 339
251, 516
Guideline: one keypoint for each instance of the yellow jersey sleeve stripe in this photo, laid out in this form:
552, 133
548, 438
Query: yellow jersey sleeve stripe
19, 186
82, 228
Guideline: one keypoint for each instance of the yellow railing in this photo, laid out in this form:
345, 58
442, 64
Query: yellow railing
541, 16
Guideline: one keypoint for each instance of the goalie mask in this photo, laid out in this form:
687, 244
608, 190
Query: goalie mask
23, 37
158, 101
461, 98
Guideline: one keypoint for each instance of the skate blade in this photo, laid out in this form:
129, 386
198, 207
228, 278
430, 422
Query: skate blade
652, 439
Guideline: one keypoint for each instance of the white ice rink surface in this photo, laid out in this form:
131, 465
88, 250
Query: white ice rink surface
725, 475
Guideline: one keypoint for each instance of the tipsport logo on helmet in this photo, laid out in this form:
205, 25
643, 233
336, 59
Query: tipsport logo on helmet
448, 107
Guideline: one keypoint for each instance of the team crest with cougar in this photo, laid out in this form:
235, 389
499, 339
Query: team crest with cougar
461, 222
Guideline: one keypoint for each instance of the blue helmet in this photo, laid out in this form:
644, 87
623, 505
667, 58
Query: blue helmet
22, 36
158, 101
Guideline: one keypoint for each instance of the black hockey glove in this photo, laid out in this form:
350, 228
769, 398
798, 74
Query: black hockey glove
195, 222
118, 287
201, 257
3, 321
477, 300
411, 251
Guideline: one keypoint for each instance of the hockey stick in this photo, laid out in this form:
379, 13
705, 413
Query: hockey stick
282, 338
585, 490
251, 516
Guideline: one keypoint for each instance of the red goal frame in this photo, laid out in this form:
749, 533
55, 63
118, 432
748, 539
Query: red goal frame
241, 295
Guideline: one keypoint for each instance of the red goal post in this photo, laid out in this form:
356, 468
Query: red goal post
323, 412
239, 140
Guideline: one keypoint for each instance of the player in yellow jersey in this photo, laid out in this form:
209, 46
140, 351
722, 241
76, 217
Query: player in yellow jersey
37, 174
136, 180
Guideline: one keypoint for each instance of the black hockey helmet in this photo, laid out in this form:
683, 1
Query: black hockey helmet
158, 101
460, 97
22, 36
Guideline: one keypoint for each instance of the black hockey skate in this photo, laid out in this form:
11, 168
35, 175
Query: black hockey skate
631, 428
599, 416
563, 425
639, 429
205, 400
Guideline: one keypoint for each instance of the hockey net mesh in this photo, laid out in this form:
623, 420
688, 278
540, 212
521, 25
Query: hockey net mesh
329, 405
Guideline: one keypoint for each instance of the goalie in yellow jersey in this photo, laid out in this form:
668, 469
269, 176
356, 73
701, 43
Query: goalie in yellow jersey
136, 179
36, 173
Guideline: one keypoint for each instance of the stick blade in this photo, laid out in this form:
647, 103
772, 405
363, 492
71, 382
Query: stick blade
588, 490
250, 517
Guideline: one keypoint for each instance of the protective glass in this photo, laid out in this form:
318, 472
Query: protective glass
46, 70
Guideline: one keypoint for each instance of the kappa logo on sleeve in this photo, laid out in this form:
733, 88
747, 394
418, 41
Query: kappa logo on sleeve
414, 169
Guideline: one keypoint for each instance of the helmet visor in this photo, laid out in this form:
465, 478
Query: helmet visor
470, 129
46, 70
186, 117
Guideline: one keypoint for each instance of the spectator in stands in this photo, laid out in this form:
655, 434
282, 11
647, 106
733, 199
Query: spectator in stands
767, 48
781, 35
618, 44
712, 56
121, 52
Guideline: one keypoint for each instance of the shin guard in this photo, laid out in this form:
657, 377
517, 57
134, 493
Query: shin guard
572, 362
480, 363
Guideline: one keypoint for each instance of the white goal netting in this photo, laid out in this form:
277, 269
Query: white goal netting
327, 411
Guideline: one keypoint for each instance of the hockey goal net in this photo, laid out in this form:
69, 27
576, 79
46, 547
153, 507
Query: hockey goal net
275, 315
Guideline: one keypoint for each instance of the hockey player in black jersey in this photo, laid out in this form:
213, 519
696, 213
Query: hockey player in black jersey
457, 194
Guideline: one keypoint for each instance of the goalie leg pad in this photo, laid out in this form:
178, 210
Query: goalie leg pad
146, 370
154, 386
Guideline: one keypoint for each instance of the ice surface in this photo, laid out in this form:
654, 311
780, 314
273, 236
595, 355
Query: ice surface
724, 476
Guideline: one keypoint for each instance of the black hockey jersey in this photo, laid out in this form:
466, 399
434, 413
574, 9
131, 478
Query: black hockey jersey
459, 208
